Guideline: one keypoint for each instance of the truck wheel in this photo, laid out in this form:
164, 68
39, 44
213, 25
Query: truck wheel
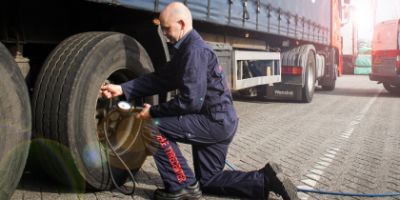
15, 125
394, 89
329, 82
68, 110
309, 85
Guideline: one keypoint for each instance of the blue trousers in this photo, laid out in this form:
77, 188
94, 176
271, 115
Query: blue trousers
210, 141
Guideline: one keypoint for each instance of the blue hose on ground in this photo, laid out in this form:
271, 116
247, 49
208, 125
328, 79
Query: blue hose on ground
387, 194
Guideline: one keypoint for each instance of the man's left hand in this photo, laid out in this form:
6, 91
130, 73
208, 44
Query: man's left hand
145, 113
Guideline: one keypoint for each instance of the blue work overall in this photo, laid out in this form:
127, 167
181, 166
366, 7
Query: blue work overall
202, 114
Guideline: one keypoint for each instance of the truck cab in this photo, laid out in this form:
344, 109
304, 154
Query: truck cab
386, 55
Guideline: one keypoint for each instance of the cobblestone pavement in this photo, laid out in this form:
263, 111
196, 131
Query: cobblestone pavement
346, 140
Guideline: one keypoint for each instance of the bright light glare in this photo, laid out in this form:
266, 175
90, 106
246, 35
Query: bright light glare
387, 10
363, 17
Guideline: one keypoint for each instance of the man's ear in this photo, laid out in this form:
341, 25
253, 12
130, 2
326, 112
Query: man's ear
182, 23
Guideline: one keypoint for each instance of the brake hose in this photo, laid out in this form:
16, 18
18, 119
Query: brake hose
386, 194
131, 176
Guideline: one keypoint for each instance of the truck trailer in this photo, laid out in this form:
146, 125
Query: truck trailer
55, 55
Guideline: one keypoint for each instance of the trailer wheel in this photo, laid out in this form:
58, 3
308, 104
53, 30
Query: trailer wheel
394, 89
309, 85
329, 80
15, 123
68, 110
331, 84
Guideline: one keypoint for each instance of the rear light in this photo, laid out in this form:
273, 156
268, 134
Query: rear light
375, 59
292, 70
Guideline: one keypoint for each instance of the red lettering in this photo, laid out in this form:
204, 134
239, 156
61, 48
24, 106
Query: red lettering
162, 140
176, 166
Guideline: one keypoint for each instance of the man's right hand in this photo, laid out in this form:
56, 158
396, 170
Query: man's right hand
110, 90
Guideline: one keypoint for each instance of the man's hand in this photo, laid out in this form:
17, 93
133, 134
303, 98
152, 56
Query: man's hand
110, 90
145, 113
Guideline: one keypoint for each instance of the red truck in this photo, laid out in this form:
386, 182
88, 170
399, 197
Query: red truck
59, 53
386, 55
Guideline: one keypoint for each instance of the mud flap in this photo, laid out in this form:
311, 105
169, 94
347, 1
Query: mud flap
287, 92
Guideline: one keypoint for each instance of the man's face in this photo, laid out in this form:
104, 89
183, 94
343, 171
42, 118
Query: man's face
172, 29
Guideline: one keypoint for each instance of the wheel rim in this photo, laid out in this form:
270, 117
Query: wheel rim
122, 137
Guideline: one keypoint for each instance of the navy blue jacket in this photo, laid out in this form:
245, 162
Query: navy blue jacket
194, 70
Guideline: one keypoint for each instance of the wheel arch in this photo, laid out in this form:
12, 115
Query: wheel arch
152, 40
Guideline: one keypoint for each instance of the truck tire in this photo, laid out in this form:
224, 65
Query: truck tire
309, 78
394, 89
330, 85
348, 64
328, 82
15, 125
68, 110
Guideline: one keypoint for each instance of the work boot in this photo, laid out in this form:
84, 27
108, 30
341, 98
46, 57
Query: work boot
275, 180
188, 193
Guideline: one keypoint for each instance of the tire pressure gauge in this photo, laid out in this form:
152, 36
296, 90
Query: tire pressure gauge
124, 106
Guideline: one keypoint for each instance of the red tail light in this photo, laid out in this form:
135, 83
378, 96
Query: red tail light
292, 70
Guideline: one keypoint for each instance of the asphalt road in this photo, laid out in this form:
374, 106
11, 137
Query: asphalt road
346, 140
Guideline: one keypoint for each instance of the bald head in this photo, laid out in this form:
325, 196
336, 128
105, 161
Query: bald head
176, 21
177, 11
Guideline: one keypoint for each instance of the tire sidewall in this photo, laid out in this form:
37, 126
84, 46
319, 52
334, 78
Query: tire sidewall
310, 70
329, 83
16, 128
